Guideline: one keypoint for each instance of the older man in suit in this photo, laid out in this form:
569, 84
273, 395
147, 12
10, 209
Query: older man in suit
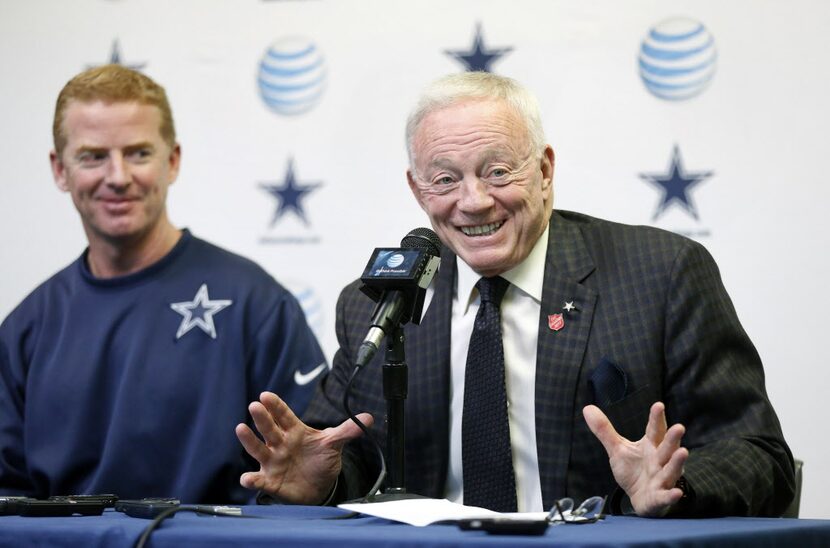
550, 341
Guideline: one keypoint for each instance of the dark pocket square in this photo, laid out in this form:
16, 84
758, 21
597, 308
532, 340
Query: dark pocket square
608, 383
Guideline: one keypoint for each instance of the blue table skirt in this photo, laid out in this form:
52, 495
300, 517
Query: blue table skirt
314, 526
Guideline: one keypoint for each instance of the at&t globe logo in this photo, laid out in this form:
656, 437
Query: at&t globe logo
677, 59
395, 260
292, 76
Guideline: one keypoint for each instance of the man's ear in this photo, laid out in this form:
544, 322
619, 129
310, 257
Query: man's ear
58, 171
546, 165
174, 161
416, 191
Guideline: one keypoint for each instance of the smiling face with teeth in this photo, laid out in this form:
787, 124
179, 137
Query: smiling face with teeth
487, 192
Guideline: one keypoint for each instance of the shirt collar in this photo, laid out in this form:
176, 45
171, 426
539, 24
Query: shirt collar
528, 276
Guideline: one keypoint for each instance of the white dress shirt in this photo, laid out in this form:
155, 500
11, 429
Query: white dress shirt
520, 310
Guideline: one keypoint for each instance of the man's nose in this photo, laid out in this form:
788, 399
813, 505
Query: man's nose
118, 171
475, 195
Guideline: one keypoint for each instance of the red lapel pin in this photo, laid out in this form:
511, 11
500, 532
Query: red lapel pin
556, 322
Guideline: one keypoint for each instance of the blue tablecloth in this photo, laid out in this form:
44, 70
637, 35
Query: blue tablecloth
314, 526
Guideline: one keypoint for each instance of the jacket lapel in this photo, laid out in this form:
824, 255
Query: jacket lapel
428, 352
561, 346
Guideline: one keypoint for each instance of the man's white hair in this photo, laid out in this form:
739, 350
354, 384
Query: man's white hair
457, 88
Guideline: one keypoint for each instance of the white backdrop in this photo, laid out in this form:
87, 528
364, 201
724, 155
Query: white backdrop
758, 127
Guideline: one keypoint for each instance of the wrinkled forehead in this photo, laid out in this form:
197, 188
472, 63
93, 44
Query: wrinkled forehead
481, 128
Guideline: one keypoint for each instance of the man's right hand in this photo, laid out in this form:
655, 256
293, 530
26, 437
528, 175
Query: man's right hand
297, 463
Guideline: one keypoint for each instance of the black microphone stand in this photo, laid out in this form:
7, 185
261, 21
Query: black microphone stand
395, 388
399, 295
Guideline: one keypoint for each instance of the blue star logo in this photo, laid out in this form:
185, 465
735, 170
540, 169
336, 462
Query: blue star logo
675, 185
289, 195
115, 58
478, 58
199, 312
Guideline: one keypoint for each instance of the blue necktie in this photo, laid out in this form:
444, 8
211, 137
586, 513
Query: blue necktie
487, 459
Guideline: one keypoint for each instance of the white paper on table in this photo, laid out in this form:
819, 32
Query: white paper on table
424, 511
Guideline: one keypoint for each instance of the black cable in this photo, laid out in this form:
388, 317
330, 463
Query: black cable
382, 476
145, 536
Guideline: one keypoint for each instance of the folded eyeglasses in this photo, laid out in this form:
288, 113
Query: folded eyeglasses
590, 511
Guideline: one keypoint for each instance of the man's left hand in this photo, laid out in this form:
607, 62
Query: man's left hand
647, 469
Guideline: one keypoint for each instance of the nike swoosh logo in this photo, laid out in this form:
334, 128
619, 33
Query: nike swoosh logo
303, 379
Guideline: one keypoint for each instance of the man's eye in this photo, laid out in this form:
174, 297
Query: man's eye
92, 158
498, 172
140, 153
445, 180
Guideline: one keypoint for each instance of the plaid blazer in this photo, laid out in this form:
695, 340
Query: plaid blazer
652, 322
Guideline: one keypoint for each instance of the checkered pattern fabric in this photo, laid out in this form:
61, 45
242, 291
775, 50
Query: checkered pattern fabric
648, 301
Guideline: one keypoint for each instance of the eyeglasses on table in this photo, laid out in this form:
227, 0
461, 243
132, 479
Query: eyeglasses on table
590, 511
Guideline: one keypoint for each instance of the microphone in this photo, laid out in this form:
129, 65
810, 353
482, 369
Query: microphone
397, 279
